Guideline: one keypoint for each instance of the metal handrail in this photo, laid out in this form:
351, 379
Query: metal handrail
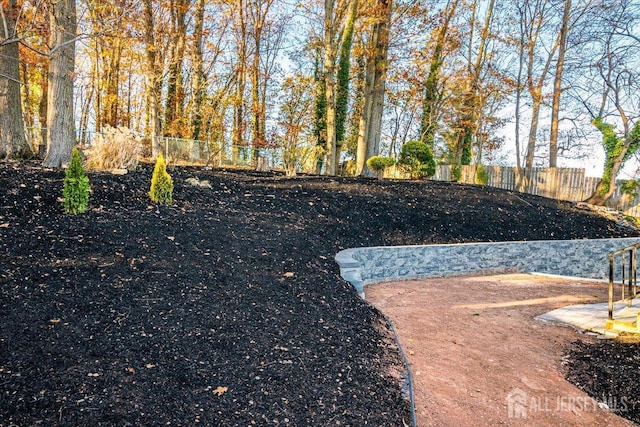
629, 280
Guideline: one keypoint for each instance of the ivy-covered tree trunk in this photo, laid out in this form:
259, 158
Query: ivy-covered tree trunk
330, 84
432, 91
344, 66
472, 102
618, 150
320, 111
199, 77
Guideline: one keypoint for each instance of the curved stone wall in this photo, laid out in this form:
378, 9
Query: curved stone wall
577, 258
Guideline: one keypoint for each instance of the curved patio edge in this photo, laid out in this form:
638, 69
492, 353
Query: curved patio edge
587, 258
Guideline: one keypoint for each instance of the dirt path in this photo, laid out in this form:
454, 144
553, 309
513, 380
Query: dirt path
480, 358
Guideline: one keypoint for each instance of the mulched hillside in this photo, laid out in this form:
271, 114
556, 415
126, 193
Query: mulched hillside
226, 308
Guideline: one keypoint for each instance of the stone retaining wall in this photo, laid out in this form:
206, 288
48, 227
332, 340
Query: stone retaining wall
577, 258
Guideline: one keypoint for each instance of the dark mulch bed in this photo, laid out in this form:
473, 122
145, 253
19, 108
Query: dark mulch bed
607, 370
226, 308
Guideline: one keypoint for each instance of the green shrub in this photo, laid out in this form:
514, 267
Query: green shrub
630, 187
379, 163
161, 183
76, 186
456, 172
482, 175
416, 158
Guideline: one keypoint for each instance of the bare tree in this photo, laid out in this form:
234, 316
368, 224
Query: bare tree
535, 14
472, 102
557, 85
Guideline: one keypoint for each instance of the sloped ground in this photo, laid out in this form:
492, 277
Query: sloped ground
227, 307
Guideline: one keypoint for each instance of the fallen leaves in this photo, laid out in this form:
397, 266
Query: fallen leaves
219, 391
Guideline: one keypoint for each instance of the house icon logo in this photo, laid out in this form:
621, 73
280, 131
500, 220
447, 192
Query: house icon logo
517, 404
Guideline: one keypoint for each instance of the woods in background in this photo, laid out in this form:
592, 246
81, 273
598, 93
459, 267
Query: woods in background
338, 80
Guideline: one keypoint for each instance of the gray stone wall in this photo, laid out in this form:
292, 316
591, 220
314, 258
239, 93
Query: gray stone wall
577, 258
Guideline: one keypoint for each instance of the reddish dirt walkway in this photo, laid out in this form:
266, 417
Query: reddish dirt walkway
480, 358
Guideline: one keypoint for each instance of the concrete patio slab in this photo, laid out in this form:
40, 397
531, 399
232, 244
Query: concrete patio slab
593, 317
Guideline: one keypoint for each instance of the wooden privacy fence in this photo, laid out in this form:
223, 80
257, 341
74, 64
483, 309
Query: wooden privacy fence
568, 184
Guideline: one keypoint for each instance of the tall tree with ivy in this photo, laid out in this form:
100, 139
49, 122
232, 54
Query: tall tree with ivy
432, 84
618, 149
344, 67
320, 109
619, 98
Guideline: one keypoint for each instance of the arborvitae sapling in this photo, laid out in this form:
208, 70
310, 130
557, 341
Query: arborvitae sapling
161, 183
378, 164
76, 186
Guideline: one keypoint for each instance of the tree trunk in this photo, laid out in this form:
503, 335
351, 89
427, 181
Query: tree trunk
174, 107
372, 116
320, 110
42, 113
557, 87
618, 149
111, 111
344, 66
199, 78
257, 121
472, 103
330, 84
533, 130
237, 138
432, 92
153, 78
61, 133
13, 143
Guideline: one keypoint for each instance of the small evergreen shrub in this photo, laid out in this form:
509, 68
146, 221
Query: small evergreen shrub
161, 183
114, 148
456, 172
379, 163
416, 158
482, 175
76, 186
